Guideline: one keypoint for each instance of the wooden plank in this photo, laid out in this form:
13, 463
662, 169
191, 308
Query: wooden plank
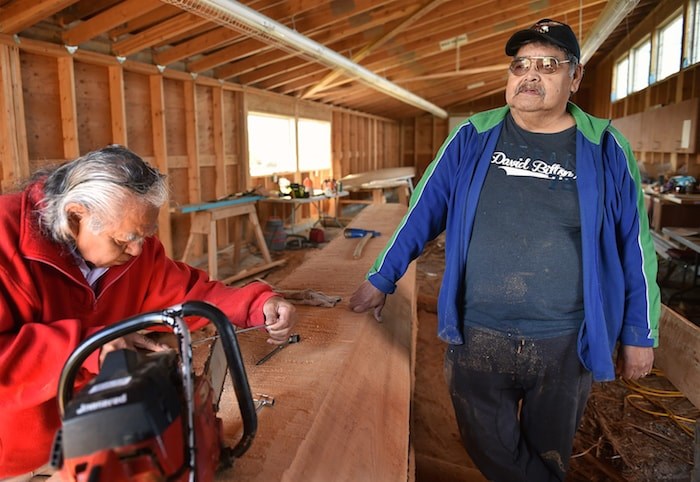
207, 41
343, 394
192, 138
108, 19
14, 157
69, 110
20, 14
218, 140
193, 208
367, 49
158, 33
678, 354
161, 155
117, 105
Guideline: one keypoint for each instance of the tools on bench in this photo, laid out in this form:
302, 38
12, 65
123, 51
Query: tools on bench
364, 234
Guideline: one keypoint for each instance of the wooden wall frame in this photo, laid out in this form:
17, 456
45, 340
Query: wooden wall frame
192, 127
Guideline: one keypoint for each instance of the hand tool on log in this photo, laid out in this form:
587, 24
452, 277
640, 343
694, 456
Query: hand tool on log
238, 332
262, 400
365, 234
361, 245
359, 233
292, 339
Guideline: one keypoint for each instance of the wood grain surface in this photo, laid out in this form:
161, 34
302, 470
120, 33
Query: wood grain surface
343, 393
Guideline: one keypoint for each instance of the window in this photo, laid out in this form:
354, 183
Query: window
669, 48
657, 56
273, 140
693, 33
271, 144
641, 65
314, 145
622, 69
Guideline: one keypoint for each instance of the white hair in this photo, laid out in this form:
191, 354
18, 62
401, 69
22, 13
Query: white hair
102, 181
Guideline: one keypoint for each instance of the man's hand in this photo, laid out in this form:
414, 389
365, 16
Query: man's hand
634, 362
280, 318
132, 341
367, 297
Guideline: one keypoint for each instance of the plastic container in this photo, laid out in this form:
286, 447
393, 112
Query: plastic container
275, 235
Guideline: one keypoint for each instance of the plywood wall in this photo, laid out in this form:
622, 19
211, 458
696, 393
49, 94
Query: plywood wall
55, 106
421, 140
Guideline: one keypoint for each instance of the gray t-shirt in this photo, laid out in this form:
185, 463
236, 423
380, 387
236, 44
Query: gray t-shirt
524, 264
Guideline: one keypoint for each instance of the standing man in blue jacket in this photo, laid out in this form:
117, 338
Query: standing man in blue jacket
550, 268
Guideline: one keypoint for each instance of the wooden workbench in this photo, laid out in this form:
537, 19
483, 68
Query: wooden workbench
378, 182
672, 209
342, 395
316, 201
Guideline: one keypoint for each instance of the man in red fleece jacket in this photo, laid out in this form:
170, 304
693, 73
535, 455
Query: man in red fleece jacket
77, 253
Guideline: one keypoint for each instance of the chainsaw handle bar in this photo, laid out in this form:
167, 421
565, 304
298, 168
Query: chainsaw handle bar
147, 320
236, 369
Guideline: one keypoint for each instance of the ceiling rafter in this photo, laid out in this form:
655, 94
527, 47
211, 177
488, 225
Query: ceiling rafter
171, 27
481, 33
108, 19
367, 49
410, 43
22, 14
214, 38
154, 17
326, 34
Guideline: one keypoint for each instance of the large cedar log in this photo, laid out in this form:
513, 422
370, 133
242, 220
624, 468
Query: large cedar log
343, 394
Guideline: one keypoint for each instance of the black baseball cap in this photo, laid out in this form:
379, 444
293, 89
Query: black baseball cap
548, 31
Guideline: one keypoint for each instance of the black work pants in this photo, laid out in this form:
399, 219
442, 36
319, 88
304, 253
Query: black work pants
518, 403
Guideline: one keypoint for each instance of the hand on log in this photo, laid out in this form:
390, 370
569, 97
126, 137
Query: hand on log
367, 297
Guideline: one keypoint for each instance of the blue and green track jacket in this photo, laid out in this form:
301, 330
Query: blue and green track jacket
621, 297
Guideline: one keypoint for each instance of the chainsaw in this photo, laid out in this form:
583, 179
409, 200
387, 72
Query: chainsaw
148, 417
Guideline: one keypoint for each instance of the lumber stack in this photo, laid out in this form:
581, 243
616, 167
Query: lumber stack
342, 394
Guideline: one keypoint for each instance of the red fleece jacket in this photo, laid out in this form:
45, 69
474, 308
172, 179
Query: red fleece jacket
47, 308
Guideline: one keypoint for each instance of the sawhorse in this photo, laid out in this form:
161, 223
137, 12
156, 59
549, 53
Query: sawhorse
204, 220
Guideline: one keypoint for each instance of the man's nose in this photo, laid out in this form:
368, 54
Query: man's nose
134, 248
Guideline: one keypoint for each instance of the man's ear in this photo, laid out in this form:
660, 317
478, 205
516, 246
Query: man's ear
576, 80
75, 212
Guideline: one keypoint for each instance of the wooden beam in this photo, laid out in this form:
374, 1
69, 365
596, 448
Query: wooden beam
81, 10
117, 105
158, 33
321, 19
678, 354
110, 18
160, 152
325, 34
189, 90
243, 48
218, 140
217, 125
21, 14
210, 40
69, 110
14, 156
159, 15
481, 33
367, 49
243, 154
194, 191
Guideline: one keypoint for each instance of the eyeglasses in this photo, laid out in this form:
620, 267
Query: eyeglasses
545, 65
